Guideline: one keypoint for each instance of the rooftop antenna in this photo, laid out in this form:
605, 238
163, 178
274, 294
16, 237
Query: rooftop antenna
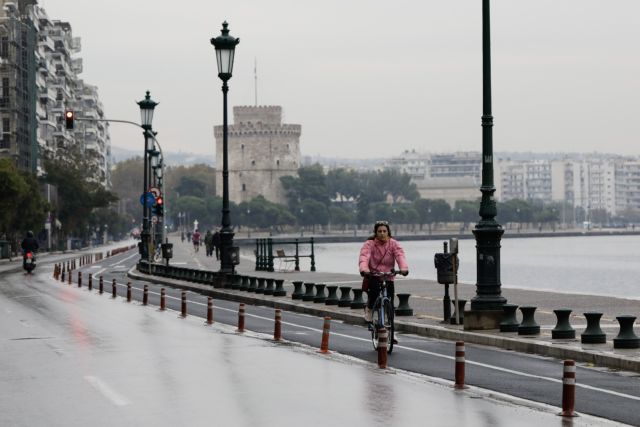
255, 76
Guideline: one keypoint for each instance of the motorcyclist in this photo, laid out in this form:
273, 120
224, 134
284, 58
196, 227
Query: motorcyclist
29, 244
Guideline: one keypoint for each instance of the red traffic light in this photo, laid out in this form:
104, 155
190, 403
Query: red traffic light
159, 201
68, 118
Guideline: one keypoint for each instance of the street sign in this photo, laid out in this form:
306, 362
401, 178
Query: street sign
150, 199
155, 191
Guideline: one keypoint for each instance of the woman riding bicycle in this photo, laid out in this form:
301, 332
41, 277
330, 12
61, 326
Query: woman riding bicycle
380, 253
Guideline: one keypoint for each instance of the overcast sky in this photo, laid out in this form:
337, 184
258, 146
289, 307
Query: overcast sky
370, 78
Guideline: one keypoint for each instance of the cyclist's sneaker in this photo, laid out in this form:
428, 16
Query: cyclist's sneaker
395, 341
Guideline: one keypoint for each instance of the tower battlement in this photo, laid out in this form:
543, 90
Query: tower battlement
267, 114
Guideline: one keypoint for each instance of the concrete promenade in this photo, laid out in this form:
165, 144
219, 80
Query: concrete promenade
426, 302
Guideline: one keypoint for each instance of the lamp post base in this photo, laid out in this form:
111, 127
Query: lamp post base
226, 251
488, 292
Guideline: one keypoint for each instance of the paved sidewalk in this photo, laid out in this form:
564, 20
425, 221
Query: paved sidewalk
426, 302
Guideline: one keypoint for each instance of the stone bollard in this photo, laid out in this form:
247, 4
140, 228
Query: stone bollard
308, 295
145, 295
528, 325
320, 296
261, 285
253, 284
90, 282
403, 308
269, 286
297, 290
79, 279
345, 296
101, 285
626, 337
358, 301
563, 329
459, 309
279, 291
593, 334
332, 298
128, 291
237, 281
114, 292
509, 319
244, 286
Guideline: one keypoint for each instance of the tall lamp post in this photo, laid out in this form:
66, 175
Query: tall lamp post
225, 46
147, 105
487, 232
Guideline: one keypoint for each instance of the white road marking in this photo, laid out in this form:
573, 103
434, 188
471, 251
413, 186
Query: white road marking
107, 391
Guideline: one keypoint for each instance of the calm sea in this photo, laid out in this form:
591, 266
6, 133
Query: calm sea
596, 265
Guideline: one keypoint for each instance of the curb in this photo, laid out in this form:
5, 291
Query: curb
558, 351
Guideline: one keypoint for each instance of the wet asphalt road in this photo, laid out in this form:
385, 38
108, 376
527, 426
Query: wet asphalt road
611, 395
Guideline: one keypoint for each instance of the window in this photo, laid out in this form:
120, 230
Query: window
244, 187
4, 47
253, 162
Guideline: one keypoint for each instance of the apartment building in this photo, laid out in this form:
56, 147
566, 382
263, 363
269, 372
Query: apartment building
17, 85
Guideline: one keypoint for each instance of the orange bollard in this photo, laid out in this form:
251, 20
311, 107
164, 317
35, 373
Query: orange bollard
324, 346
568, 389
79, 279
55, 268
101, 286
62, 276
145, 295
128, 291
209, 311
90, 284
241, 318
277, 327
113, 289
459, 375
163, 299
183, 305
382, 348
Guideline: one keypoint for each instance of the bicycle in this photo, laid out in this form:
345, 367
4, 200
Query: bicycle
382, 312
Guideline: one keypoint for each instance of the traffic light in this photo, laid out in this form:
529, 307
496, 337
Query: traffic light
159, 206
68, 118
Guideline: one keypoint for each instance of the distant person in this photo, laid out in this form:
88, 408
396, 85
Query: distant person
208, 243
182, 236
195, 238
216, 240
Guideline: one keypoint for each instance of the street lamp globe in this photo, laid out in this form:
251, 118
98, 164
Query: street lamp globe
147, 105
225, 49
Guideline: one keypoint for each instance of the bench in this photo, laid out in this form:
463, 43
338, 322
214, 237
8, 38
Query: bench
286, 263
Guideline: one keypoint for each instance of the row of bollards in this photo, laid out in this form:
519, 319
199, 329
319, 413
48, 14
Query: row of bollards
315, 292
593, 333
568, 380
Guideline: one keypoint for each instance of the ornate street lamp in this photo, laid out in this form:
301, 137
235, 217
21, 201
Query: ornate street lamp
225, 51
147, 106
487, 232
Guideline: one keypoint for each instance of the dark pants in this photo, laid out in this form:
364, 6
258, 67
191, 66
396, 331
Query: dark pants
374, 290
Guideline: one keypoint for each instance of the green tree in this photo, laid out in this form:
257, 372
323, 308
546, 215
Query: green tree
22, 206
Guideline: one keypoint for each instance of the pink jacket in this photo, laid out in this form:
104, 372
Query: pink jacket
378, 256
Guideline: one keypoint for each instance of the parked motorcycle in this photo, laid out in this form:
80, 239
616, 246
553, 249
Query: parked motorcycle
29, 261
